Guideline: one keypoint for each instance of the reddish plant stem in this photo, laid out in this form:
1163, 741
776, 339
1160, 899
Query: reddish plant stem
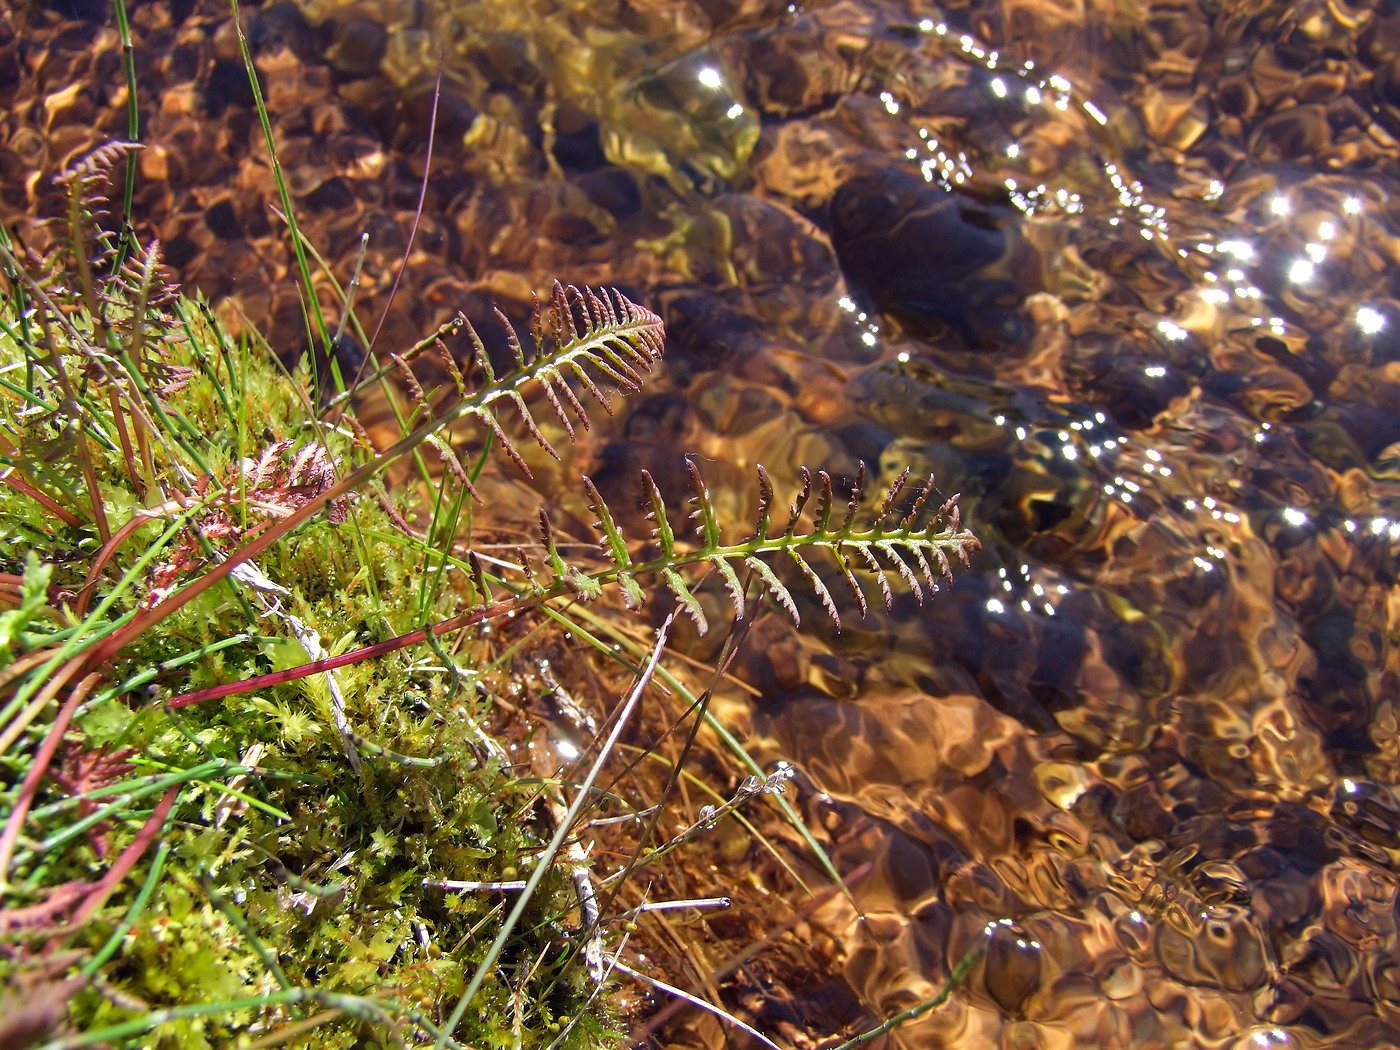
355, 656
50, 504
42, 758
80, 607
124, 863
120, 638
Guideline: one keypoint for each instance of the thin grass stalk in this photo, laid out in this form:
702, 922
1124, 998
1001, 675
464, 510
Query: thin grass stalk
133, 128
38, 769
959, 974
21, 311
268, 957
737, 749
71, 407
104, 555
154, 825
561, 832
196, 347
695, 1000
382, 372
737, 632
198, 773
64, 664
8, 476
418, 210
136, 787
286, 1033
362, 1007
152, 672
310, 304
128, 455
138, 905
719, 973
72, 402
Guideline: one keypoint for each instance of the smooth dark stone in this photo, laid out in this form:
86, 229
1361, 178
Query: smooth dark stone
912, 248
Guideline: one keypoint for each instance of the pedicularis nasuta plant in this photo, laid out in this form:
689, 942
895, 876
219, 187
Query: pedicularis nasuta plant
327, 857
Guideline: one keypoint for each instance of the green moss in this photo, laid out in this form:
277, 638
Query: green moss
283, 879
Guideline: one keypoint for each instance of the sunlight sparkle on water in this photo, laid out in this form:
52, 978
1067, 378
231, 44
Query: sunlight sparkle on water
1279, 206
567, 749
1370, 320
1294, 516
1302, 271
709, 76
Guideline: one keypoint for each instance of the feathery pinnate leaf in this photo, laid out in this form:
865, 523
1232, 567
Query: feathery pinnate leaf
906, 550
594, 338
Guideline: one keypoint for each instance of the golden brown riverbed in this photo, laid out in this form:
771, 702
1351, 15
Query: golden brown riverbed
1123, 274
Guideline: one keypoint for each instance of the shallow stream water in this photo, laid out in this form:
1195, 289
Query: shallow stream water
1123, 274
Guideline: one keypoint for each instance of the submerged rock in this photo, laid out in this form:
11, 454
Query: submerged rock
923, 255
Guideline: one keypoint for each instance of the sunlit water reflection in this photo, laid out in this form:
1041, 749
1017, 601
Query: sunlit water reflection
1123, 275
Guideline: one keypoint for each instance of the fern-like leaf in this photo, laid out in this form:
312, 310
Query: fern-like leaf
664, 534
817, 585
880, 576
883, 548
917, 549
731, 583
616, 546
775, 586
765, 504
676, 584
843, 562
583, 586
581, 336
704, 513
